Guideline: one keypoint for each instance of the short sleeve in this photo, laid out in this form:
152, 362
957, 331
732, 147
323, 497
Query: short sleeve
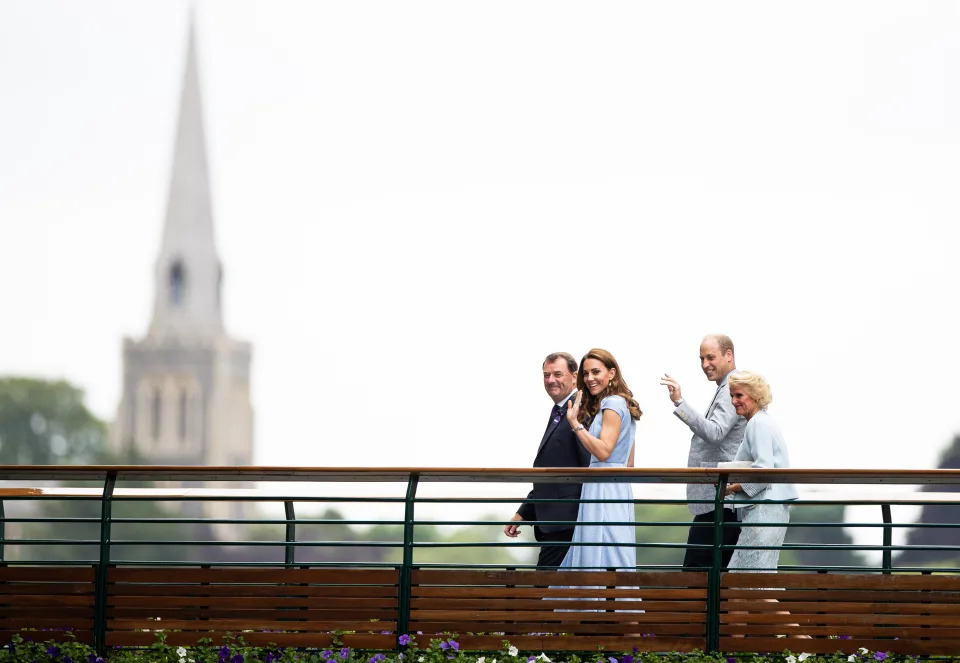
618, 404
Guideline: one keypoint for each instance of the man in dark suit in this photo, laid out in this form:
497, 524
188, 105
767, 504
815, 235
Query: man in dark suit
558, 448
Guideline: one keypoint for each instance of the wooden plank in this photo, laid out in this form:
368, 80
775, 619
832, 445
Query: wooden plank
886, 596
622, 614
231, 575
833, 618
258, 638
219, 614
540, 592
541, 578
861, 581
30, 600
45, 612
879, 609
46, 574
52, 622
332, 592
510, 630
256, 625
864, 631
47, 589
583, 643
248, 601
534, 603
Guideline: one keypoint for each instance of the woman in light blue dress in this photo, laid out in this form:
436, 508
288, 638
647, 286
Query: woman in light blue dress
762, 446
604, 418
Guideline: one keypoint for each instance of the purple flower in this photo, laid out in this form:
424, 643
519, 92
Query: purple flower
611, 659
269, 657
224, 653
326, 653
731, 659
386, 632
330, 660
53, 650
626, 658
454, 644
843, 637
444, 646
67, 659
879, 656
531, 659
344, 652
404, 639
237, 659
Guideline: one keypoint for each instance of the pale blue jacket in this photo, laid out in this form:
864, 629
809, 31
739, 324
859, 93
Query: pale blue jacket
764, 446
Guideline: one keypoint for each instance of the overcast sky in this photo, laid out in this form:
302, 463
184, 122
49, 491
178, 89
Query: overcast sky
416, 201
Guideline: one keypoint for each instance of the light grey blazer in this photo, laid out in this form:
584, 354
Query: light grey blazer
764, 446
716, 437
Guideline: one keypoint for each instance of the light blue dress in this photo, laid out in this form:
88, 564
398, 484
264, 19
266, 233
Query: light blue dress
617, 550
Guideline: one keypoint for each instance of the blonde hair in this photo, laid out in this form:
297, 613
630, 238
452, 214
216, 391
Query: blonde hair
755, 385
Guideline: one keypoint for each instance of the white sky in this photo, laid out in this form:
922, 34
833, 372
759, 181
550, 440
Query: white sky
416, 201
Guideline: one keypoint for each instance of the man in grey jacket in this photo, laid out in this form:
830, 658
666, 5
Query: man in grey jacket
716, 437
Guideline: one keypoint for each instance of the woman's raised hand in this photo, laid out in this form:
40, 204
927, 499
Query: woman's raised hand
574, 410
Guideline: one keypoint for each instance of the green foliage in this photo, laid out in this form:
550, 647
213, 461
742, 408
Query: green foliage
45, 422
798, 534
658, 532
446, 649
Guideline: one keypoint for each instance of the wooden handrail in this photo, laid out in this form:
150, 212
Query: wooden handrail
466, 474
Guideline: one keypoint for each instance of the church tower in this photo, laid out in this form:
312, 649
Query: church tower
186, 384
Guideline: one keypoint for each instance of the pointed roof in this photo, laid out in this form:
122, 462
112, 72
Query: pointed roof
187, 295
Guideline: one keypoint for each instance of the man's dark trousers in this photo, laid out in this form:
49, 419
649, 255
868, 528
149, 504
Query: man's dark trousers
702, 533
552, 556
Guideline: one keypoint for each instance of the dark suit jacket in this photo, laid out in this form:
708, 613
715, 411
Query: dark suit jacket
558, 448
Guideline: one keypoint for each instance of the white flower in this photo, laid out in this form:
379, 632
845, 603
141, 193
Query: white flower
544, 657
481, 659
791, 659
863, 650
513, 651
420, 660
804, 656
852, 658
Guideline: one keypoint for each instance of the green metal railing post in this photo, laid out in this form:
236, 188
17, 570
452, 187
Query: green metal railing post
713, 575
3, 533
100, 595
403, 616
290, 550
887, 538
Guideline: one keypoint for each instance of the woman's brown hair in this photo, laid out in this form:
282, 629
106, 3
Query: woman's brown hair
590, 405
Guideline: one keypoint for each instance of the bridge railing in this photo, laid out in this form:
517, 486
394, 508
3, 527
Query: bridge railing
119, 567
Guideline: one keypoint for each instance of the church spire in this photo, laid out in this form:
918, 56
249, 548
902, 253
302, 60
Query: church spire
188, 273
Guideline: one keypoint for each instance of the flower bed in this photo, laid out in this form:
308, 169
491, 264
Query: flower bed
28, 648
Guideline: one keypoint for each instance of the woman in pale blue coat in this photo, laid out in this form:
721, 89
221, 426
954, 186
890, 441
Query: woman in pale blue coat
763, 446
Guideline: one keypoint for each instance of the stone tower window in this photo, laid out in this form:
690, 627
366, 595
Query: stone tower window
156, 411
178, 282
182, 431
